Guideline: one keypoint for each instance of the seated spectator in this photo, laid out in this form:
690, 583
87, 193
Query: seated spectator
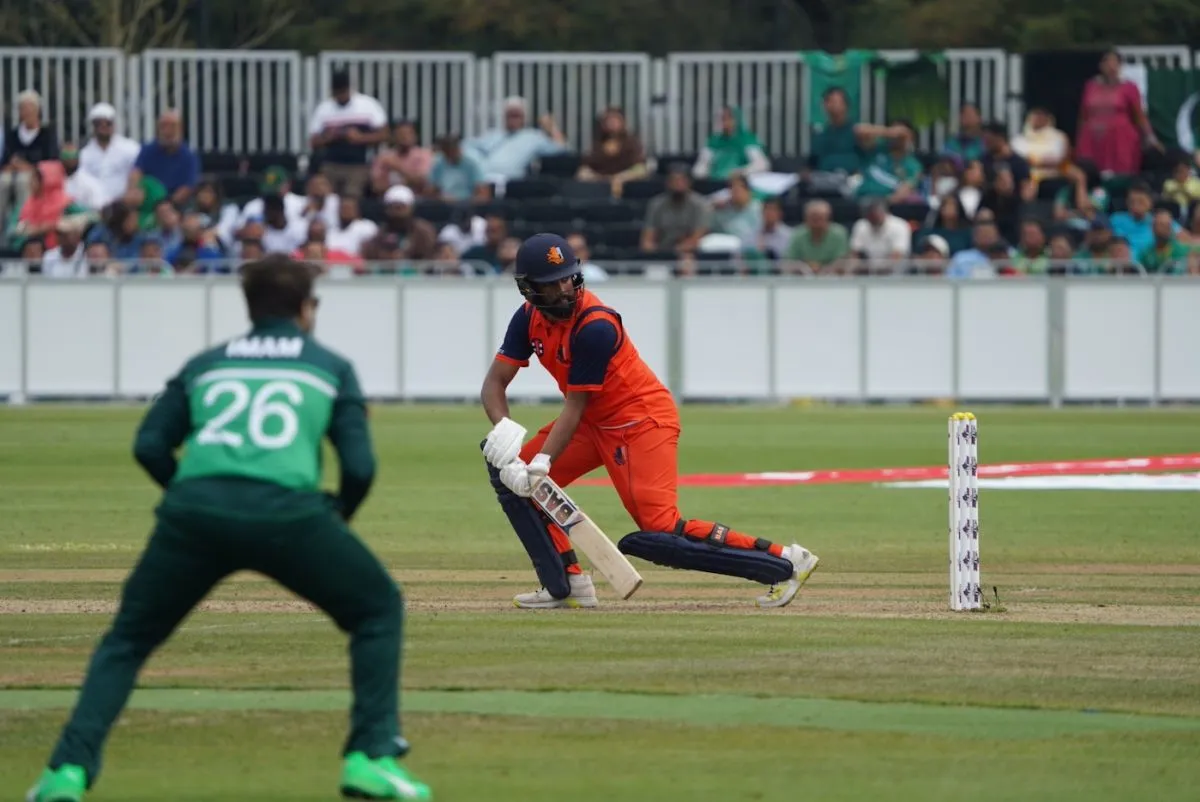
592, 273
276, 181
949, 221
676, 219
890, 170
251, 249
506, 153
971, 187
774, 236
33, 250
1096, 242
1083, 198
169, 159
1044, 147
383, 254
320, 200
820, 243
732, 150
495, 232
1191, 235
1112, 122
67, 259
342, 130
977, 261
999, 156
404, 162
47, 204
739, 214
351, 230
835, 147
880, 237
457, 176
418, 238
966, 145
932, 253
1002, 198
280, 235
121, 232
1062, 255
1120, 257
151, 260
448, 262
616, 156
507, 255
1031, 258
27, 144
1136, 224
218, 217
108, 156
942, 181
97, 256
83, 188
144, 198
196, 245
318, 234
1166, 253
168, 225
1183, 187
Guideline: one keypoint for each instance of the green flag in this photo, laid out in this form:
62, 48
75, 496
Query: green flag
1172, 97
917, 90
828, 71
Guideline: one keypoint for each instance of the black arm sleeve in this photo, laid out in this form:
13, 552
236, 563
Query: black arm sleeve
351, 438
163, 430
51, 150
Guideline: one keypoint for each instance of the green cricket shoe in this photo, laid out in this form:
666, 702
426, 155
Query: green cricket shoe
68, 783
381, 778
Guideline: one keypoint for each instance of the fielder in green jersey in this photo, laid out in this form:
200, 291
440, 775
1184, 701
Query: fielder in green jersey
250, 416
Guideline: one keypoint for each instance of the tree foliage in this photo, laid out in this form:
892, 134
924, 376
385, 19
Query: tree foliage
485, 26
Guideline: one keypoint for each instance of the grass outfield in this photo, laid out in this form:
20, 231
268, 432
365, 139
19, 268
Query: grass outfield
1087, 686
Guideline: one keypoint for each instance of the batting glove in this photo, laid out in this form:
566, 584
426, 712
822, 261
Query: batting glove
503, 443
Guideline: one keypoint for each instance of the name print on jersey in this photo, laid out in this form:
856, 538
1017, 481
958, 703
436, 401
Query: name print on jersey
265, 347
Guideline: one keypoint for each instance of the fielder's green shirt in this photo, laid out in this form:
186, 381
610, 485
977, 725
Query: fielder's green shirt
251, 415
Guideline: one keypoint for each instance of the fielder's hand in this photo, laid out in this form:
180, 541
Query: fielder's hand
515, 476
503, 443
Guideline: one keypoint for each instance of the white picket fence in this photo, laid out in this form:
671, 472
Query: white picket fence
260, 101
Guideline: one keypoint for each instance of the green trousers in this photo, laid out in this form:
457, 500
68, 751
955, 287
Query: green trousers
191, 550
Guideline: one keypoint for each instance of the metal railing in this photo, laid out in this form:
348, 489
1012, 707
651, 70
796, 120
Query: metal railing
707, 266
260, 101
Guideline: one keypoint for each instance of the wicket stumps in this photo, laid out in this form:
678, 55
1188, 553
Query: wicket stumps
966, 593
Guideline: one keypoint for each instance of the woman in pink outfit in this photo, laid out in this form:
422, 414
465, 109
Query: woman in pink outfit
1112, 122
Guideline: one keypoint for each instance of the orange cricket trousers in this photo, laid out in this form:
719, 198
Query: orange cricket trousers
642, 461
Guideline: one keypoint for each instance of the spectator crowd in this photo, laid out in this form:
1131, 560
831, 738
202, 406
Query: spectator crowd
375, 199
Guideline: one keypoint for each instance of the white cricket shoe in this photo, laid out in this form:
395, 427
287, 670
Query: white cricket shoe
583, 594
804, 562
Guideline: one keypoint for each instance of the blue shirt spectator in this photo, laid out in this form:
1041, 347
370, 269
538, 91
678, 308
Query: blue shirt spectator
456, 176
507, 152
967, 145
169, 159
1136, 226
979, 261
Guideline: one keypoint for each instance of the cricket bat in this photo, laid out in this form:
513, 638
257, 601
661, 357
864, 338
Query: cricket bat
587, 537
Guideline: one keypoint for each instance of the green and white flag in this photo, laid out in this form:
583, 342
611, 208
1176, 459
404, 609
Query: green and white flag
916, 90
1172, 97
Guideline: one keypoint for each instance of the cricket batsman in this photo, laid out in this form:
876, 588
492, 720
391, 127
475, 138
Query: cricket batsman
616, 413
245, 496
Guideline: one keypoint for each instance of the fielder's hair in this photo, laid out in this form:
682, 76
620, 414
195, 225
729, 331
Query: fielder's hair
277, 286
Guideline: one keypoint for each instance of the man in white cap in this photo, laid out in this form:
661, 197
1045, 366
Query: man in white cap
108, 156
507, 152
